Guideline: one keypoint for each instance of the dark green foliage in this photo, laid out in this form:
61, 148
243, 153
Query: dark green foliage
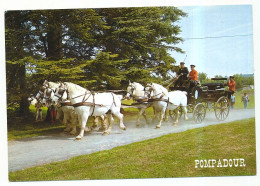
96, 48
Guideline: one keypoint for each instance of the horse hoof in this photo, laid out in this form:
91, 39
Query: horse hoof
105, 133
123, 128
186, 119
101, 129
77, 138
157, 127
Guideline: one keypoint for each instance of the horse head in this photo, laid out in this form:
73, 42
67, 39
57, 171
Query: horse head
130, 90
156, 91
61, 93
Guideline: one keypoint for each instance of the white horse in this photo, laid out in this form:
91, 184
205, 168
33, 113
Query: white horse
38, 106
137, 92
70, 118
162, 100
87, 103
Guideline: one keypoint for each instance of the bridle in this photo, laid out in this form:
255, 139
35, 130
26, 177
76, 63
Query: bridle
132, 89
154, 96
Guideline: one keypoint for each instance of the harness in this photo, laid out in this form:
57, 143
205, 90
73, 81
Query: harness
91, 104
139, 99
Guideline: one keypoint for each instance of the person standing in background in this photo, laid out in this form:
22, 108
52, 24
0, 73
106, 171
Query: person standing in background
233, 100
245, 99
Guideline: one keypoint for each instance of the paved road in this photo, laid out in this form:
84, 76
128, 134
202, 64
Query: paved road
45, 149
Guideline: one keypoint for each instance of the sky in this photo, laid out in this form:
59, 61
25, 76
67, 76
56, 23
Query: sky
221, 55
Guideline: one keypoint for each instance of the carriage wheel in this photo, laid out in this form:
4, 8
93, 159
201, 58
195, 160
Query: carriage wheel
173, 115
199, 113
190, 108
222, 108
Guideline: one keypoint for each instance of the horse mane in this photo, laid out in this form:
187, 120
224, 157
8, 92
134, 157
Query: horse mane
164, 90
72, 86
138, 86
53, 85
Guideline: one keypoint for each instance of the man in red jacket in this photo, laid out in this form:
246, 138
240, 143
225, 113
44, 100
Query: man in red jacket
193, 73
231, 85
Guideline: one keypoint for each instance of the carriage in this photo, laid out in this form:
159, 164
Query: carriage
207, 96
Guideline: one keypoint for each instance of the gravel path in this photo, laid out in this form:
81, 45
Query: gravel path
45, 149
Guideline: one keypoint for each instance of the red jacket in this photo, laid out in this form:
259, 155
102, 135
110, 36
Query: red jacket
231, 84
193, 75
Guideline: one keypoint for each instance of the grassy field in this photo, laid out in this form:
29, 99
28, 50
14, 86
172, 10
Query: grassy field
239, 94
171, 155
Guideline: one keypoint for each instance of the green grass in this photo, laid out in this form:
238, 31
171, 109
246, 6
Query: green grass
171, 155
239, 94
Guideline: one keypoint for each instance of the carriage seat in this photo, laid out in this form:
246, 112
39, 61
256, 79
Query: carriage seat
213, 86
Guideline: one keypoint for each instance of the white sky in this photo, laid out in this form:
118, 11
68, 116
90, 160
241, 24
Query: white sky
221, 55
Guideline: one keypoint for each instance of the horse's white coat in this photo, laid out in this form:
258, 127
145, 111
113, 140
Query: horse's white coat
109, 101
176, 99
137, 91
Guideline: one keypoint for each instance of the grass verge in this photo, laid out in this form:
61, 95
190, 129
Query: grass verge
171, 155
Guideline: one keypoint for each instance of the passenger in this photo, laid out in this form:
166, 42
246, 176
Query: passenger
183, 72
193, 77
231, 86
193, 73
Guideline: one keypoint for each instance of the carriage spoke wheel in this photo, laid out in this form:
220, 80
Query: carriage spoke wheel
222, 108
199, 113
190, 108
173, 114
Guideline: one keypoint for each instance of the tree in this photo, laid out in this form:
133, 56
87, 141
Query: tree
202, 77
96, 48
16, 31
144, 36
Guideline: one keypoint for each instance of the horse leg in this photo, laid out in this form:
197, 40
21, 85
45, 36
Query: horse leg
74, 123
110, 122
41, 115
120, 117
83, 121
154, 115
177, 116
37, 113
166, 118
65, 122
161, 118
144, 115
184, 108
103, 123
141, 112
95, 122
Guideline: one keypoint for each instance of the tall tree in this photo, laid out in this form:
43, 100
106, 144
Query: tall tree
16, 31
93, 47
143, 36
